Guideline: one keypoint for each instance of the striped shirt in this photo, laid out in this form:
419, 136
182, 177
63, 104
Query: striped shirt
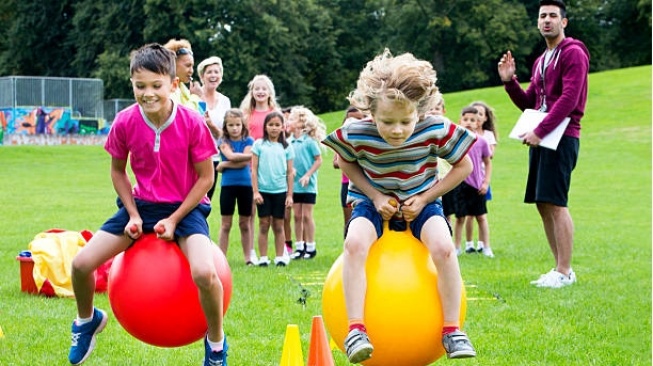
401, 171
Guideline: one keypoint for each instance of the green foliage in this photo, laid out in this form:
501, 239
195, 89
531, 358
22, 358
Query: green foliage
603, 320
312, 49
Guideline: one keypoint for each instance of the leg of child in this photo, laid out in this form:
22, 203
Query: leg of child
309, 230
244, 223
484, 234
300, 240
99, 249
225, 229
198, 251
264, 228
287, 229
279, 237
360, 237
469, 233
458, 232
435, 235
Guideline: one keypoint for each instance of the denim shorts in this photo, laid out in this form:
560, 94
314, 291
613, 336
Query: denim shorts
367, 210
151, 213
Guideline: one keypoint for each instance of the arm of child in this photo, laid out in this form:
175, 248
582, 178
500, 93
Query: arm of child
335, 161
228, 164
381, 201
123, 187
303, 181
488, 175
246, 155
258, 199
289, 181
459, 171
204, 170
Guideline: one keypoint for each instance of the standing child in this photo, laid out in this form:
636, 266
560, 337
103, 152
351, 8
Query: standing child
471, 198
352, 113
169, 148
486, 129
448, 201
287, 218
259, 101
236, 185
308, 131
393, 157
272, 162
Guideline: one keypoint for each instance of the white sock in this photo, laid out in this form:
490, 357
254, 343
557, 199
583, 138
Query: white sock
82, 321
469, 244
299, 245
215, 346
310, 247
480, 245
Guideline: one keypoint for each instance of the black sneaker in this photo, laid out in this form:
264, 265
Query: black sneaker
310, 254
298, 253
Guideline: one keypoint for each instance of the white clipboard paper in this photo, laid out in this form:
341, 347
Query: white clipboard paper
529, 120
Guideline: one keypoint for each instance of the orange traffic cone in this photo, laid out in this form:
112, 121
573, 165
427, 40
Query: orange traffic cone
319, 352
292, 348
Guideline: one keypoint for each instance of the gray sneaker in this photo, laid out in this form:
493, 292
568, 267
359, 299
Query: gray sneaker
358, 346
458, 345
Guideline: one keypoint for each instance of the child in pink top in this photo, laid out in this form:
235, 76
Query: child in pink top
169, 148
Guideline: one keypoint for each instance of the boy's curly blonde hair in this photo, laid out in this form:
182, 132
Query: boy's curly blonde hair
401, 78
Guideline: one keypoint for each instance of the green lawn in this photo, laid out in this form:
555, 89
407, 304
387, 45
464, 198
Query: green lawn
605, 319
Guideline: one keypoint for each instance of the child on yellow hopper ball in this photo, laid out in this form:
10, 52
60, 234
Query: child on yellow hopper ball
392, 157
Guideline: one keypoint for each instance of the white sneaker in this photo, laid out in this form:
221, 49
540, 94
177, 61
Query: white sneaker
282, 261
263, 261
253, 258
459, 252
487, 251
558, 280
543, 277
469, 248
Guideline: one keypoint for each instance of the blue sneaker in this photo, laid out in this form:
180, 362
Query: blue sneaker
83, 337
212, 358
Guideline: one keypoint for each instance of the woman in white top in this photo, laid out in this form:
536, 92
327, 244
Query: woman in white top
210, 72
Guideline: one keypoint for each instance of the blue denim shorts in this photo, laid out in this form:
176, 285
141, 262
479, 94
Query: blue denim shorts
151, 213
367, 210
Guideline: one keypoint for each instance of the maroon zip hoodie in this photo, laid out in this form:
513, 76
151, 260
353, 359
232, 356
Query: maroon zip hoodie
565, 83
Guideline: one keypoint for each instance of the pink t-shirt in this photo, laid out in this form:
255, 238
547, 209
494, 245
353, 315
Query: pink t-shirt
161, 159
255, 123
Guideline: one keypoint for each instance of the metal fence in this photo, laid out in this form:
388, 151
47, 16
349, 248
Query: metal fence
113, 106
84, 97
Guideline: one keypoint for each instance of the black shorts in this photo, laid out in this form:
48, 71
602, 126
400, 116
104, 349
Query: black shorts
469, 202
308, 198
230, 195
549, 172
449, 202
344, 190
274, 204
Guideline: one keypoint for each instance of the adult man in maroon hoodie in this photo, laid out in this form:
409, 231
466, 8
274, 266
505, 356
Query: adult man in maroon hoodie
559, 87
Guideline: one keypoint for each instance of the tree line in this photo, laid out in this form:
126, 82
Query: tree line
312, 49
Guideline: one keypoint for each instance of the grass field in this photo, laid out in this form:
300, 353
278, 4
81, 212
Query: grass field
605, 319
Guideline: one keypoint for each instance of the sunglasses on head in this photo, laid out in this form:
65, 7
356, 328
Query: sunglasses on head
184, 51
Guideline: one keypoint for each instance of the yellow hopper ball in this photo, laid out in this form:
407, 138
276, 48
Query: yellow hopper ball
403, 312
